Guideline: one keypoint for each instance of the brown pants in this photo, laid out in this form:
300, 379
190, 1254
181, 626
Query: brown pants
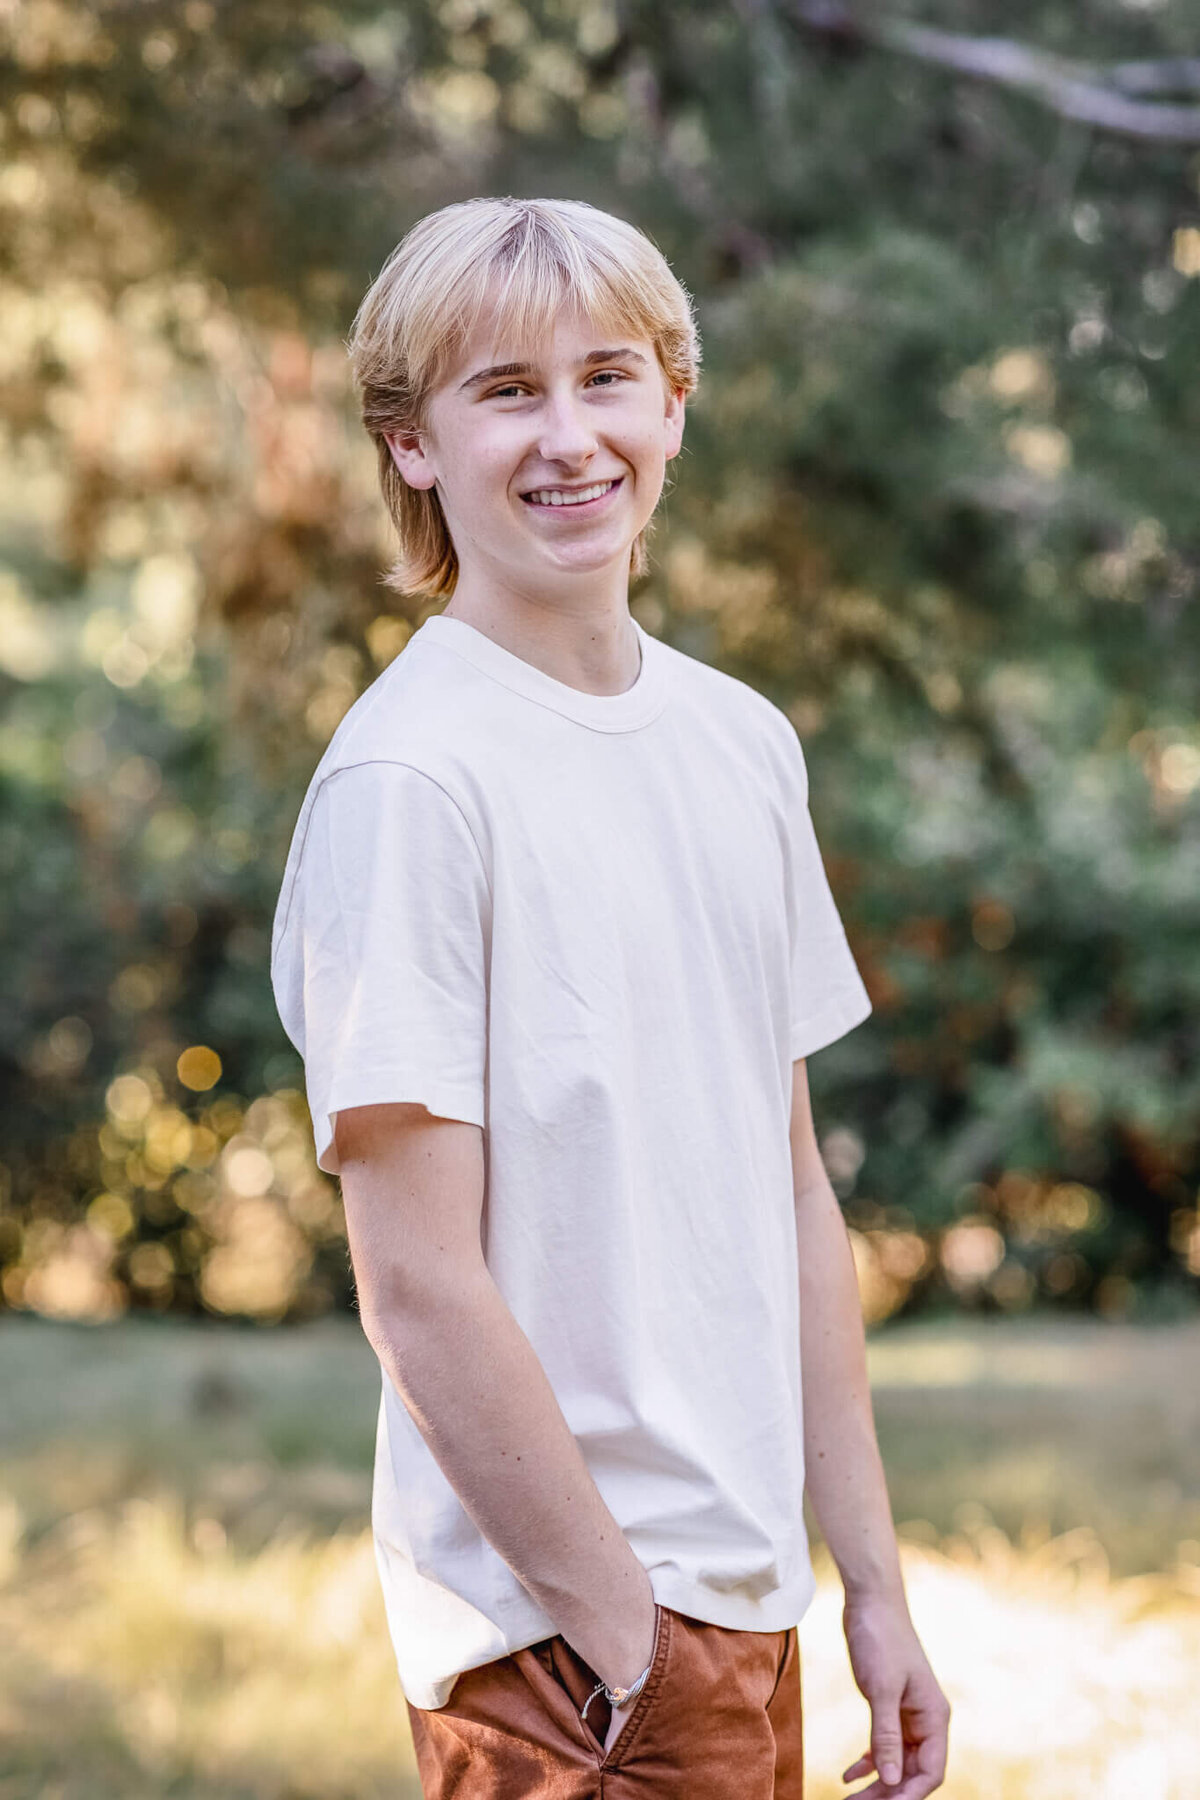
719, 1717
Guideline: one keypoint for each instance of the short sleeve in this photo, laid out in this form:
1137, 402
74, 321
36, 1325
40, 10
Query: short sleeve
380, 964
828, 996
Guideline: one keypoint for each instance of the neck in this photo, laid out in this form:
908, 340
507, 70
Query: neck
597, 652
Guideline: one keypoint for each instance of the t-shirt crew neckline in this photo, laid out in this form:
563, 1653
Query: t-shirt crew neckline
602, 712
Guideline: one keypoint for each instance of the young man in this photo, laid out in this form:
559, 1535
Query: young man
555, 941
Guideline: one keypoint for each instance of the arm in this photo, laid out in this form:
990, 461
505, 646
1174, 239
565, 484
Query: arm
844, 1472
846, 1483
413, 1189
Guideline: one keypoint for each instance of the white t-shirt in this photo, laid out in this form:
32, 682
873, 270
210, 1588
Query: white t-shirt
599, 927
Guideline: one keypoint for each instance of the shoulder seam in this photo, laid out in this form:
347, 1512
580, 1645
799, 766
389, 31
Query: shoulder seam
398, 762
365, 762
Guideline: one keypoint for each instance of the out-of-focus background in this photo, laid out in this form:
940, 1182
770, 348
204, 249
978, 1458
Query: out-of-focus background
938, 499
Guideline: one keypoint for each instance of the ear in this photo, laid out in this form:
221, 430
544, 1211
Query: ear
673, 437
408, 454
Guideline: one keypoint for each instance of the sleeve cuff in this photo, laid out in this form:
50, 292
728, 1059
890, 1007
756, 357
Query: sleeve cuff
444, 1099
835, 1019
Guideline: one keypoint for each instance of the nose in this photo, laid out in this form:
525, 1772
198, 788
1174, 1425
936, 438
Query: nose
567, 434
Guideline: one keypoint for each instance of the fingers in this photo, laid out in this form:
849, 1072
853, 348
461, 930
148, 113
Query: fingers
924, 1769
909, 1758
887, 1749
887, 1743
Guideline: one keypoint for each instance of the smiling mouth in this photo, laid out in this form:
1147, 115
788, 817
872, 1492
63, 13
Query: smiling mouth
566, 500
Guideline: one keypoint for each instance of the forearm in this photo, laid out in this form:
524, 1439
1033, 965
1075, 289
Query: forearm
844, 1472
481, 1399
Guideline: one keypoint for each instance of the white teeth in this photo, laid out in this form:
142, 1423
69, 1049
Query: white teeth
555, 496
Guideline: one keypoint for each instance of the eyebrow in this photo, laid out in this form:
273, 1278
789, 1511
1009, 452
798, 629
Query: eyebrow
520, 368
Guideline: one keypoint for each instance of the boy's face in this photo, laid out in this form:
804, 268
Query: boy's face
585, 410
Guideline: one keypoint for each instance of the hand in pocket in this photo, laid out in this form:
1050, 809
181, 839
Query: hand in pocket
621, 1715
620, 1718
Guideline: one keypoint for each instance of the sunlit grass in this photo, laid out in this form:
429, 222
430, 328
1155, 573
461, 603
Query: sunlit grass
145, 1656
189, 1604
1065, 1683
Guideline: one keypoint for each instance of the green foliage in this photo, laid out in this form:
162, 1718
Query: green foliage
937, 499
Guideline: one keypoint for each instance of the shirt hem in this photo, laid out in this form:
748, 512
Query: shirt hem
777, 1611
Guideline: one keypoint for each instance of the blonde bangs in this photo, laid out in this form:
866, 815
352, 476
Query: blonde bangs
511, 268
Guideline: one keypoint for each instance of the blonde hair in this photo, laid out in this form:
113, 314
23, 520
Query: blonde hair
533, 258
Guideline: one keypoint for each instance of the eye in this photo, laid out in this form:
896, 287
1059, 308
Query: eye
512, 387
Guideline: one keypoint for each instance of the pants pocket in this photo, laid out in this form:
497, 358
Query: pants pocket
567, 1669
579, 1680
664, 1624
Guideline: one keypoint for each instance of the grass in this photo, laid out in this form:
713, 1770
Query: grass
189, 1604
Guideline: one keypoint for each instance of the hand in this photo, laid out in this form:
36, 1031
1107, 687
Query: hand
910, 1715
620, 1718
620, 1715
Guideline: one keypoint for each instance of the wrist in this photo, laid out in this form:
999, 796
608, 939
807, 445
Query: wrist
623, 1697
877, 1590
620, 1698
626, 1671
625, 1666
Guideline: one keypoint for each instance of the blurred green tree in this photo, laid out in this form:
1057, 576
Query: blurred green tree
937, 499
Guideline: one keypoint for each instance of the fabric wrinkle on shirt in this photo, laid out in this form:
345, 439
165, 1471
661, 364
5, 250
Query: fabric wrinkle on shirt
599, 927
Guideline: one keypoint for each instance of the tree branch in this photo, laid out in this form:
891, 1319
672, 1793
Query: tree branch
1090, 93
